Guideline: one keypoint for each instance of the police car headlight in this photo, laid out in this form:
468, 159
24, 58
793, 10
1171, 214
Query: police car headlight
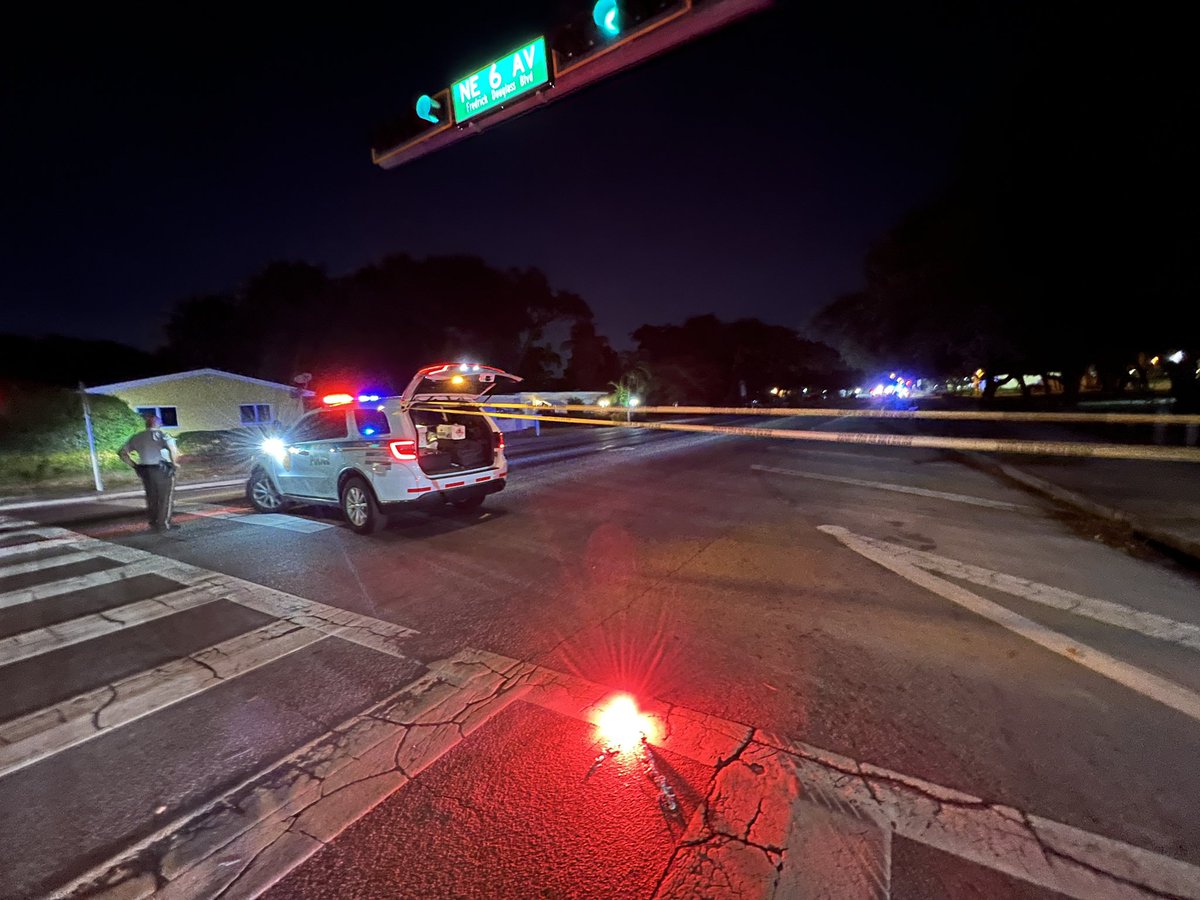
274, 448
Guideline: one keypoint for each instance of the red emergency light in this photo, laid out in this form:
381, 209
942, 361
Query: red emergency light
337, 399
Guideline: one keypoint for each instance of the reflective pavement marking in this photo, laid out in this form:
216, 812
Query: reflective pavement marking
37, 565
754, 828
48, 731
1145, 683
279, 520
332, 620
146, 564
1150, 624
93, 625
299, 622
10, 550
895, 488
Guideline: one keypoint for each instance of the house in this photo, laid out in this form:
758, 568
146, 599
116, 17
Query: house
210, 400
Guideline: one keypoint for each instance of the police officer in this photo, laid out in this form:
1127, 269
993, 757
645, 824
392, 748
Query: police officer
157, 460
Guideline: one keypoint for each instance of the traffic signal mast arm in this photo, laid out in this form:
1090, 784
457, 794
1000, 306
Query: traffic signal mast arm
691, 20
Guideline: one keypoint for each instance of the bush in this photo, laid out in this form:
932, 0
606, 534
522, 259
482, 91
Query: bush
42, 434
48, 421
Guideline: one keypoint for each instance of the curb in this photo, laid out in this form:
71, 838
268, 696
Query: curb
118, 495
1183, 546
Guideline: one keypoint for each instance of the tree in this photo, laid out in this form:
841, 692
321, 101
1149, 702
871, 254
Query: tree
707, 361
592, 363
377, 324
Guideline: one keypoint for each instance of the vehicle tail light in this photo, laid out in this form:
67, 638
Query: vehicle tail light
499, 440
405, 451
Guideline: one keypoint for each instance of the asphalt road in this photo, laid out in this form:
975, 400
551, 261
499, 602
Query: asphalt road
893, 608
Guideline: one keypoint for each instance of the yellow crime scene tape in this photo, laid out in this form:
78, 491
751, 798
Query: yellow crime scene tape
933, 442
966, 415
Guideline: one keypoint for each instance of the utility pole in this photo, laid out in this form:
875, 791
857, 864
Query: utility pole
91, 437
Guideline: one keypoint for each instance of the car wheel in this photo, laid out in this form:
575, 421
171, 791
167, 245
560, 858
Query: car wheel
262, 494
359, 507
468, 503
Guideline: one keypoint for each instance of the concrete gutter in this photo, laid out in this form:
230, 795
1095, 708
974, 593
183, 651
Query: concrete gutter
1189, 547
117, 495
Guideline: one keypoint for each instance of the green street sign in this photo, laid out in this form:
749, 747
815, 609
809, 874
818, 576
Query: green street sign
497, 83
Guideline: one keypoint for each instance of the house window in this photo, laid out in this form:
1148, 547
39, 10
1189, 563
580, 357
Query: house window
256, 413
166, 414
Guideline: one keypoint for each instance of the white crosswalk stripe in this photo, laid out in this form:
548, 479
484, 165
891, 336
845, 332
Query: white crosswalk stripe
32, 643
296, 623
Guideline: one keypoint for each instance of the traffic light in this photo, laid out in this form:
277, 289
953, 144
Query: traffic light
428, 109
607, 16
427, 116
608, 24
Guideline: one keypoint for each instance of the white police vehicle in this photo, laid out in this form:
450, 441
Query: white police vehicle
377, 456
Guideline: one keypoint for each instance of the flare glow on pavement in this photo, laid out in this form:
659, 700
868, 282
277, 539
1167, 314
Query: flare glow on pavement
621, 728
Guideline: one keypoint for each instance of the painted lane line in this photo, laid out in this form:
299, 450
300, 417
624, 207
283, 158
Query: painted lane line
1145, 683
896, 488
1186, 634
83, 550
33, 546
107, 499
248, 839
284, 522
366, 631
37, 565
28, 644
166, 568
43, 733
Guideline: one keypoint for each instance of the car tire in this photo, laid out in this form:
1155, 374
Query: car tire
466, 504
359, 507
262, 494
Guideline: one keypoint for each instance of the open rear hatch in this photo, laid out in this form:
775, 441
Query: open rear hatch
453, 438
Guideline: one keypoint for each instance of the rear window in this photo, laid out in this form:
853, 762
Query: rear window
321, 426
371, 422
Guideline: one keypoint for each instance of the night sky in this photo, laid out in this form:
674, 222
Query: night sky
146, 160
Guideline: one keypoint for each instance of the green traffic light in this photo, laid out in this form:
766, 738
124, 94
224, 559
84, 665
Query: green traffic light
607, 16
425, 107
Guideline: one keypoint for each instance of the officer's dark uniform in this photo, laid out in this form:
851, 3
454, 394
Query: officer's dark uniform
156, 455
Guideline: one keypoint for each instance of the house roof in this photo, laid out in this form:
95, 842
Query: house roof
163, 379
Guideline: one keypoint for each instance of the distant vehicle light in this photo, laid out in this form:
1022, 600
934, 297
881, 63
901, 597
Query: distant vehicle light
475, 368
464, 368
337, 399
634, 401
405, 451
621, 727
1176, 357
603, 402
458, 379
274, 448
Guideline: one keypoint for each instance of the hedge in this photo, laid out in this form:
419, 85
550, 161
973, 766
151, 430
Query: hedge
42, 433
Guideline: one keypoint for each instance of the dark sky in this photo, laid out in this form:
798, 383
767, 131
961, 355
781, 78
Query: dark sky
149, 159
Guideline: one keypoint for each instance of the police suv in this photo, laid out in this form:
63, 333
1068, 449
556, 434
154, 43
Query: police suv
377, 456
